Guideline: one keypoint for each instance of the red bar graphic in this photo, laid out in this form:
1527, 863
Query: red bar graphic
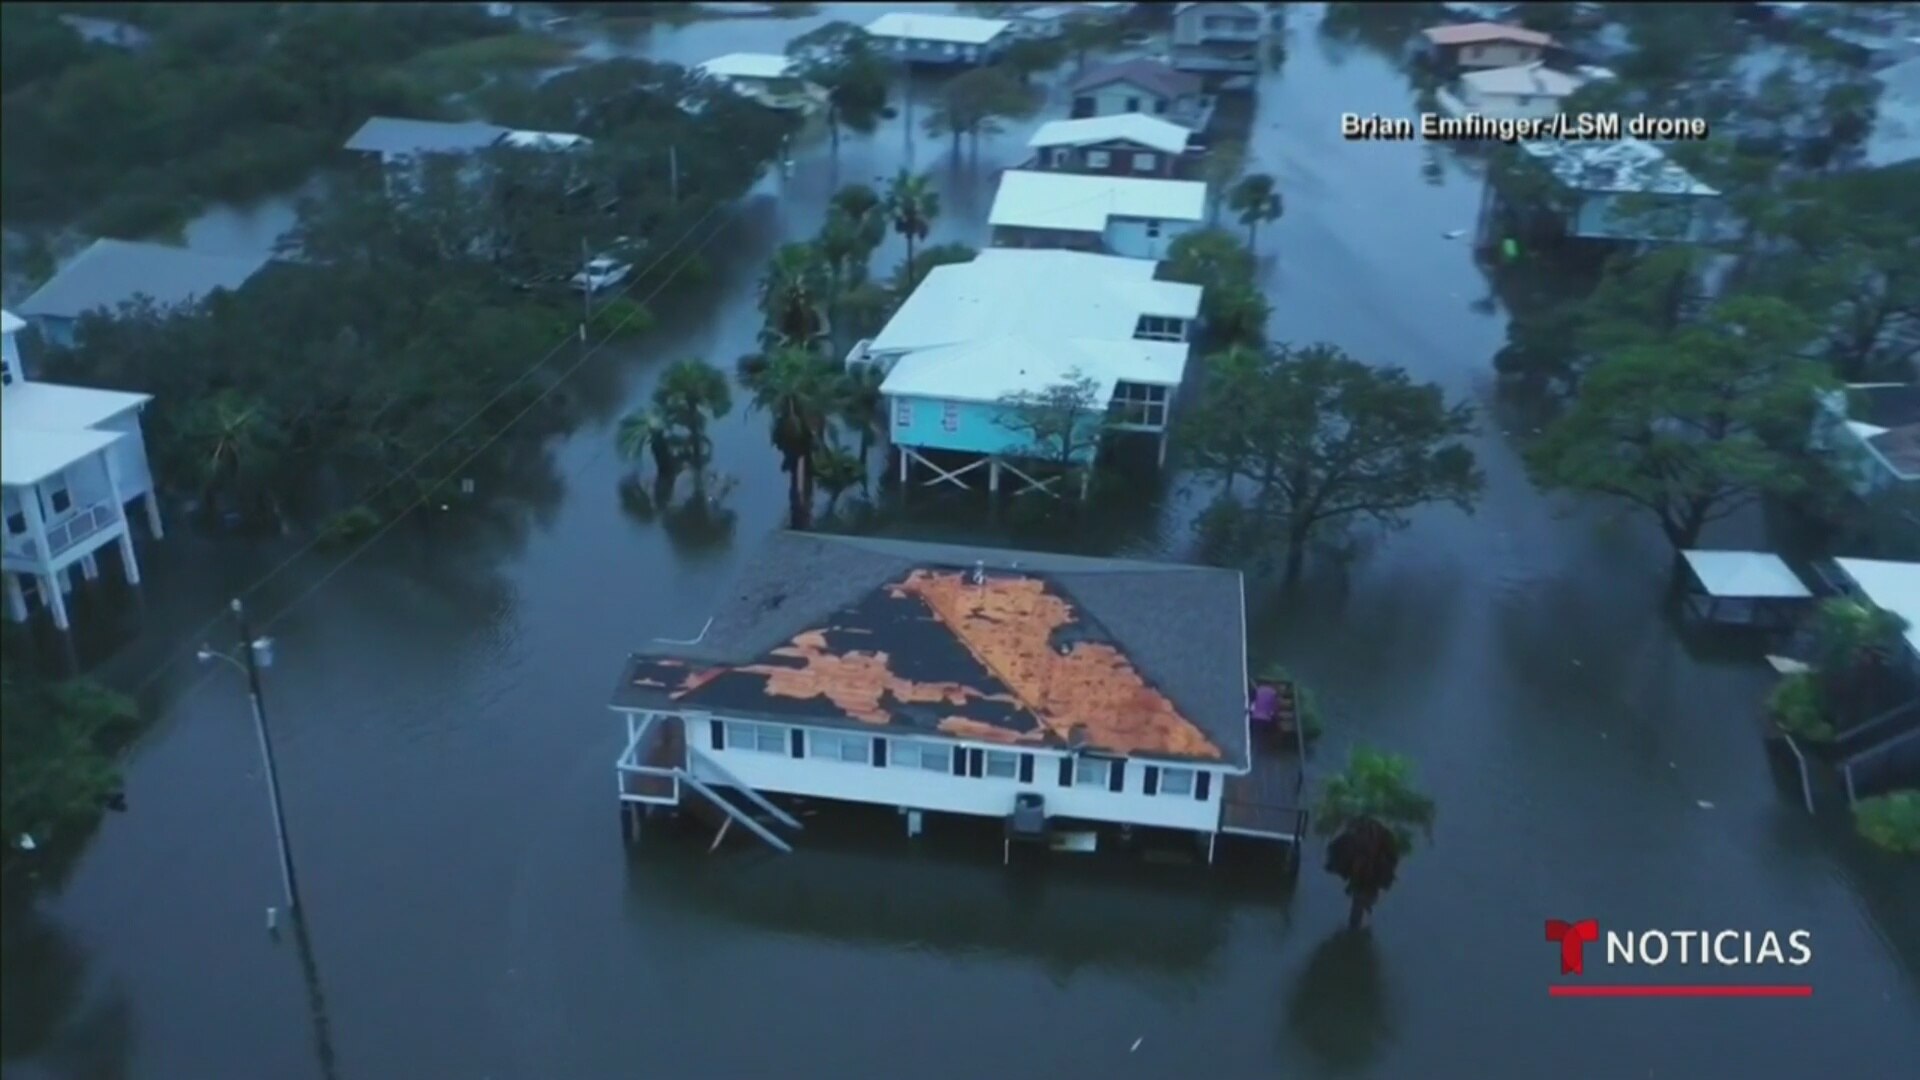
1679, 991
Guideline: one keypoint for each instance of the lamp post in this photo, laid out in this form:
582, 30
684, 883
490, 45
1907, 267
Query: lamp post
257, 653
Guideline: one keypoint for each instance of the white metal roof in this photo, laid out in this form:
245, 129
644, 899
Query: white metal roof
745, 65
1146, 130
544, 140
1894, 586
1076, 203
1036, 293
54, 407
11, 323
1536, 80
959, 29
30, 455
1745, 573
1629, 165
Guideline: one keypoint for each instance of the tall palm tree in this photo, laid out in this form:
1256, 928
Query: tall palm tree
1256, 199
793, 295
1371, 810
800, 392
691, 393
862, 410
241, 444
836, 471
642, 431
912, 204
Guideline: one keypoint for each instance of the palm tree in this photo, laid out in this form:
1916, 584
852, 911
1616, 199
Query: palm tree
1371, 810
800, 391
1222, 165
644, 430
691, 393
836, 471
862, 410
1256, 200
912, 204
241, 441
793, 296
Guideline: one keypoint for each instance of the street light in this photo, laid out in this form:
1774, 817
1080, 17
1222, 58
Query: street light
258, 653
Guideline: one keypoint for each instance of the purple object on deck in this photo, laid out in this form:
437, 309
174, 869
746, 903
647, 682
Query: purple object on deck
1266, 701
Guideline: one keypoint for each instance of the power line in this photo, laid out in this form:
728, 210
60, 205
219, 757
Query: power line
198, 636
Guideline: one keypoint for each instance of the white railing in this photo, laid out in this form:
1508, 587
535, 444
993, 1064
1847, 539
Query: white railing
65, 533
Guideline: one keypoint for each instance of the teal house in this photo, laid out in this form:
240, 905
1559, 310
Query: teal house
976, 337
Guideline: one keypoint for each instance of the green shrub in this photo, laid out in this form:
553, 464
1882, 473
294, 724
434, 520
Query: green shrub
1891, 822
621, 316
350, 526
1796, 709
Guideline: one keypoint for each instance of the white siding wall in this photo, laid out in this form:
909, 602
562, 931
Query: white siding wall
1112, 99
1498, 54
943, 792
1128, 236
129, 455
1514, 106
10, 354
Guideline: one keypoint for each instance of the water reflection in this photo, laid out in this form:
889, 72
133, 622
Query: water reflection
1338, 1008
52, 1026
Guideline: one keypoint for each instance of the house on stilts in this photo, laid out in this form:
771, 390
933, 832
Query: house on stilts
975, 336
1060, 695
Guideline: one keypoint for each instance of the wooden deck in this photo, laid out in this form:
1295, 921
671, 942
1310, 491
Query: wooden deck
664, 746
1268, 801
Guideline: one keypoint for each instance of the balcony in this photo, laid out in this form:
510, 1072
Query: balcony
66, 533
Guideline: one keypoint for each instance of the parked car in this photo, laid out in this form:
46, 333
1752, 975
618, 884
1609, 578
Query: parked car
601, 272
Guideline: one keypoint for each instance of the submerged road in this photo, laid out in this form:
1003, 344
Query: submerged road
446, 761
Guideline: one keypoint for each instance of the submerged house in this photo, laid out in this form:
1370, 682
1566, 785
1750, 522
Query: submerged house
1485, 45
401, 146
1020, 321
1142, 86
1131, 144
917, 38
1870, 433
1625, 190
1118, 215
1051, 692
770, 79
113, 273
74, 459
1224, 38
1511, 93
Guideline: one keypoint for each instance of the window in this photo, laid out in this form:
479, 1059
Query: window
1145, 162
1153, 228
1003, 764
1098, 159
1062, 157
1159, 106
1133, 104
1084, 106
17, 523
949, 416
903, 414
55, 499
839, 746
1523, 99
765, 738
1092, 771
1176, 782
1160, 328
919, 755
1138, 404
949, 48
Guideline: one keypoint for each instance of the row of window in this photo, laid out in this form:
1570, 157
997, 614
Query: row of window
55, 500
1143, 161
949, 760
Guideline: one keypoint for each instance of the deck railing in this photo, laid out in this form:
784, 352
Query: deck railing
65, 533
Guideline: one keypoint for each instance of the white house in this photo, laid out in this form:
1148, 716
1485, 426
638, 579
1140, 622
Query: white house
110, 273
399, 142
933, 679
1871, 434
940, 39
768, 78
1511, 93
1118, 215
1019, 320
1486, 45
74, 458
1891, 586
1131, 144
1224, 38
1628, 190
1141, 86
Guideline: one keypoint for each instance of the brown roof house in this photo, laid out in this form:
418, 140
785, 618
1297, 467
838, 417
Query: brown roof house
953, 681
1486, 45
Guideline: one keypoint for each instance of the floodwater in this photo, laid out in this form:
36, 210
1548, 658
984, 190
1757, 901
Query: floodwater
446, 764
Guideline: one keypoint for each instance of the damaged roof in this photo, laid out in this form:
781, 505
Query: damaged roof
1123, 657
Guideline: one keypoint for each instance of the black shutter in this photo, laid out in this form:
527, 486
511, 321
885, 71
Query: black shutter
1150, 785
799, 742
959, 754
1202, 780
879, 752
1116, 776
1026, 768
976, 763
1066, 771
719, 731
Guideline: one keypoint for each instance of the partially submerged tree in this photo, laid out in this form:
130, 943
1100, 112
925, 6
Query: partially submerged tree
1255, 201
974, 103
1855, 643
1326, 439
1220, 168
799, 392
690, 395
1693, 428
1372, 811
911, 274
1232, 309
911, 204
1891, 822
794, 293
1060, 424
840, 59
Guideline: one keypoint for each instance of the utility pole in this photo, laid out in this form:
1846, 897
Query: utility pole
586, 289
250, 650
673, 174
